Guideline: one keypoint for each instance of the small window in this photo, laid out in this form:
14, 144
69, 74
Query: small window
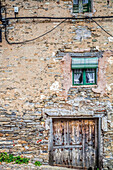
107, 2
84, 71
81, 6
84, 76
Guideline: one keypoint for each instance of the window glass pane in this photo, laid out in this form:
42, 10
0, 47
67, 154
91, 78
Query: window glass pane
78, 76
90, 76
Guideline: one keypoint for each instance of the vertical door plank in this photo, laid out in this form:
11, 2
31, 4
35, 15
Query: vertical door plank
51, 144
83, 143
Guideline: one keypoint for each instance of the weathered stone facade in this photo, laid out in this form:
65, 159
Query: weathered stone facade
36, 77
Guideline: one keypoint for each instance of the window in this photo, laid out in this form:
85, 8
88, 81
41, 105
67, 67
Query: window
84, 71
81, 6
84, 76
107, 2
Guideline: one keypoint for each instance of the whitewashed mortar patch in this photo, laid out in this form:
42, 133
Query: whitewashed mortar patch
82, 33
55, 86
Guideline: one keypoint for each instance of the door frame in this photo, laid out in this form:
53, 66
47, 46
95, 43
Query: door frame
99, 140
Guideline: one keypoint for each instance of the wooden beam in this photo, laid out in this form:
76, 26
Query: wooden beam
83, 54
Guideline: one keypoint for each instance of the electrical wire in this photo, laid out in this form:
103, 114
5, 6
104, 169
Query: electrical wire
26, 41
69, 18
102, 28
65, 18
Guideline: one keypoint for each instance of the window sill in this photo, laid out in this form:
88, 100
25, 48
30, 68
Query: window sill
89, 14
84, 86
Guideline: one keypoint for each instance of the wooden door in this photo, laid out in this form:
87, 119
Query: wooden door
74, 143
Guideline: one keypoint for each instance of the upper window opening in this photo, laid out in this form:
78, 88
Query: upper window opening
80, 6
107, 2
84, 71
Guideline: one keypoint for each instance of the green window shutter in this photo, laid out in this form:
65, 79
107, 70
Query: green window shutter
84, 63
75, 6
86, 5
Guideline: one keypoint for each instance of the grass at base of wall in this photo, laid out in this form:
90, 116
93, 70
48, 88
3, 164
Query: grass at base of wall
4, 157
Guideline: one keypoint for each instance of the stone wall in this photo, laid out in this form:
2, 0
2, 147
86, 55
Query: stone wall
36, 82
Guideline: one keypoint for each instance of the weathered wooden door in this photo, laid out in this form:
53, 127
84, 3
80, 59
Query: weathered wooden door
74, 143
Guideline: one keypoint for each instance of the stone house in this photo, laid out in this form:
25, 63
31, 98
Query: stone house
56, 87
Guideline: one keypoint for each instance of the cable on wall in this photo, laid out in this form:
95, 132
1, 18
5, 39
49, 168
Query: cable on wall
26, 41
35, 17
69, 18
5, 23
102, 28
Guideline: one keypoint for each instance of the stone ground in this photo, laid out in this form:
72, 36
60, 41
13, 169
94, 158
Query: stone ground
29, 166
